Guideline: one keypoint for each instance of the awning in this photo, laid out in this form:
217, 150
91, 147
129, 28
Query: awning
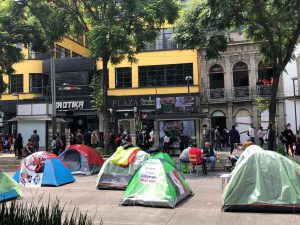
36, 118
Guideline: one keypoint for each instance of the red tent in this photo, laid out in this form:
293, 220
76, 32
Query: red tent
82, 159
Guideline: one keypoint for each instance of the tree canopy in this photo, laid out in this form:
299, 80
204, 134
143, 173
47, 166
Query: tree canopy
273, 24
31, 23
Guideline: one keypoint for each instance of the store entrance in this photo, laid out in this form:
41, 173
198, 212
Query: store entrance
83, 122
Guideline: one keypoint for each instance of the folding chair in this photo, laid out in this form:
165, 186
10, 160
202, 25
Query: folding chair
193, 162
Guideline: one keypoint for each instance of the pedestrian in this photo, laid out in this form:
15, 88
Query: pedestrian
19, 145
151, 138
35, 139
111, 142
234, 138
297, 142
79, 137
58, 144
29, 148
218, 139
87, 138
225, 135
205, 135
212, 137
118, 140
288, 137
270, 137
251, 133
166, 143
261, 135
53, 146
6, 145
94, 138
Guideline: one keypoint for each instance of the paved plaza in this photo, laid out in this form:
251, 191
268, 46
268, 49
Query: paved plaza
202, 208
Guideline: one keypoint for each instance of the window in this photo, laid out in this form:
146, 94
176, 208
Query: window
123, 77
76, 55
163, 41
216, 77
240, 74
77, 37
37, 82
16, 83
62, 52
165, 75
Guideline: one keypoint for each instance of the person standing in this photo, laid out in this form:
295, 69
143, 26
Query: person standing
225, 135
111, 142
1, 144
35, 139
270, 137
251, 133
261, 133
205, 135
151, 138
19, 145
288, 137
218, 138
94, 138
166, 143
87, 138
79, 137
234, 138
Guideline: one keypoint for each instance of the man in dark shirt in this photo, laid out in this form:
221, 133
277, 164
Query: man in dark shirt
209, 156
234, 138
35, 139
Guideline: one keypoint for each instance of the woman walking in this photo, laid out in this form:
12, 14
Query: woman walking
19, 145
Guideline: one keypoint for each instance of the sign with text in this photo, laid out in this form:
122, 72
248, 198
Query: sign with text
70, 105
173, 104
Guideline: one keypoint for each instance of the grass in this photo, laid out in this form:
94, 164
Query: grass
18, 213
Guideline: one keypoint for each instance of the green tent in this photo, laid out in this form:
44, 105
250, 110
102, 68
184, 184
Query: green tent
165, 156
263, 181
156, 183
9, 189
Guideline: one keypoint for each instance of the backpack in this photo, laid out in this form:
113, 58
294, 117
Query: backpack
248, 133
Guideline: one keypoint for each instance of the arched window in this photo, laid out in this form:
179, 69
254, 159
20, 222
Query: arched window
240, 75
265, 73
218, 118
216, 77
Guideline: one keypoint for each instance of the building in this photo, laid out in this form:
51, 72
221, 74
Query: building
160, 92
30, 86
292, 113
231, 84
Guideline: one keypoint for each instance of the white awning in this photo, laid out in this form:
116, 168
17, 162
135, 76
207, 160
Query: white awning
36, 118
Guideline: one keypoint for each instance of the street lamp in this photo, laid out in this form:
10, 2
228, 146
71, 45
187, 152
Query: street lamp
293, 79
188, 78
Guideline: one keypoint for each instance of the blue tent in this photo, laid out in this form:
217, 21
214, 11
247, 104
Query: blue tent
43, 169
9, 189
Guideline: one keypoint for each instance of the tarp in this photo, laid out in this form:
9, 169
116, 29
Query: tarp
263, 181
122, 155
165, 156
82, 159
9, 189
156, 183
43, 169
112, 176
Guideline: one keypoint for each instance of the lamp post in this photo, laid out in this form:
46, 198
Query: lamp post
62, 98
188, 78
295, 108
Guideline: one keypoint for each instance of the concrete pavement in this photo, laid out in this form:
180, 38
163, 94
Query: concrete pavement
202, 208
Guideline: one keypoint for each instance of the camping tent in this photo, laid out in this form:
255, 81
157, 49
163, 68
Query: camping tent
165, 156
43, 169
263, 181
156, 183
117, 171
82, 159
9, 189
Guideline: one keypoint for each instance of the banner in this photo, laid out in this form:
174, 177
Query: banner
172, 104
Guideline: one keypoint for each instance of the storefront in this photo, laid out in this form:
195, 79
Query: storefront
175, 116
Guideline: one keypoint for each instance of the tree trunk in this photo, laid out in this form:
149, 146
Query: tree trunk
105, 109
273, 100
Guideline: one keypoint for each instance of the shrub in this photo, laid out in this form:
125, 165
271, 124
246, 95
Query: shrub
24, 214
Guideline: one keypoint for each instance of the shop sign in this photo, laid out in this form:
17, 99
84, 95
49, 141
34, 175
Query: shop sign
70, 105
122, 103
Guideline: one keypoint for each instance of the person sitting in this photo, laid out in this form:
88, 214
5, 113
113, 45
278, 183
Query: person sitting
236, 153
29, 147
194, 151
209, 156
184, 156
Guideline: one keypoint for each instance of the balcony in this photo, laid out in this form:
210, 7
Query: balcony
217, 94
240, 93
264, 90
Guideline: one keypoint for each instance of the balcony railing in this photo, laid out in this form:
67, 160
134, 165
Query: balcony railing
264, 90
241, 92
217, 93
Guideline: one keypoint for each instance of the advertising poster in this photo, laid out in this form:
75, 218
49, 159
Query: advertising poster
172, 104
181, 132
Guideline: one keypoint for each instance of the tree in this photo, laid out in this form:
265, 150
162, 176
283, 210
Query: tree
118, 29
273, 24
97, 93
